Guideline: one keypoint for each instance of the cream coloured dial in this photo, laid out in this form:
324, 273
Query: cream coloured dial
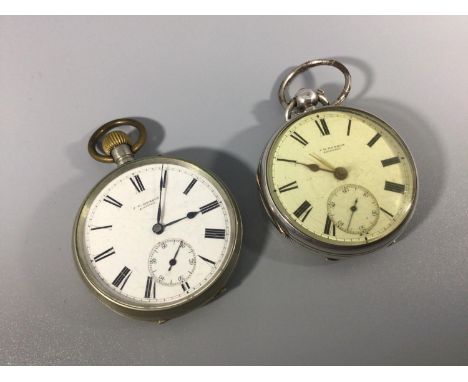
321, 154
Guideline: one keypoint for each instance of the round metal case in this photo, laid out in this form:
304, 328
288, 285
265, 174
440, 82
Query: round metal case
306, 132
138, 210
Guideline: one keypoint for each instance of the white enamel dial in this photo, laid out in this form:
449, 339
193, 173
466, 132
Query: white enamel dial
142, 260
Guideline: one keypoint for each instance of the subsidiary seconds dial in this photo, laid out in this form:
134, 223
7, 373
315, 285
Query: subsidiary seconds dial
353, 209
172, 262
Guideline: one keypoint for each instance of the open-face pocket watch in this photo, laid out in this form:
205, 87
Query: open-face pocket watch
338, 180
157, 236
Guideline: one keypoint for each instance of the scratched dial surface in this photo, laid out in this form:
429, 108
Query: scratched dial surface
341, 176
155, 260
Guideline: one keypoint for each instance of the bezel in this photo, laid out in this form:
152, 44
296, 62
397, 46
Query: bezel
159, 311
330, 250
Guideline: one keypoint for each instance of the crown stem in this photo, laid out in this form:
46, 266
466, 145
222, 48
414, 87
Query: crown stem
122, 154
117, 144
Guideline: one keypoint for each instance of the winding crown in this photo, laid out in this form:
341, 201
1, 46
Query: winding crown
113, 139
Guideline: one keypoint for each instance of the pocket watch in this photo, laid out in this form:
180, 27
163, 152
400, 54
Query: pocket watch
338, 180
157, 236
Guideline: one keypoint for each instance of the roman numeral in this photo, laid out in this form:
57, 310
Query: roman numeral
190, 185
185, 286
103, 227
388, 213
103, 255
349, 127
122, 278
150, 290
299, 138
213, 233
137, 183
322, 126
286, 160
303, 209
394, 187
374, 139
209, 207
390, 161
207, 260
288, 187
111, 200
329, 226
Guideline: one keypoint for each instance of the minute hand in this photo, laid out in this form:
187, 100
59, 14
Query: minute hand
162, 184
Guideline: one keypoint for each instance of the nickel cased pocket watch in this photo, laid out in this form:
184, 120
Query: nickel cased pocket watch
338, 180
157, 236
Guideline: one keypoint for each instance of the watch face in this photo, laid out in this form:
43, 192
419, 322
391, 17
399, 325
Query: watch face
341, 176
156, 233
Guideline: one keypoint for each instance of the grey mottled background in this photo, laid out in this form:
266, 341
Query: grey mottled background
206, 89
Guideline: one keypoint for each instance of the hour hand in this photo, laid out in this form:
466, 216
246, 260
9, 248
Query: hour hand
189, 215
158, 228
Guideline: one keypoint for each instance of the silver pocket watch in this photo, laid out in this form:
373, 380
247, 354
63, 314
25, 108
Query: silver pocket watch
338, 180
157, 236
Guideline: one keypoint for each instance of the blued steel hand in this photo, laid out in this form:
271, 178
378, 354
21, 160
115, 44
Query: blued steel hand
190, 215
158, 228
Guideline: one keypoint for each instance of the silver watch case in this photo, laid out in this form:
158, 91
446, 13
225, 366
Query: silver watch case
147, 311
283, 223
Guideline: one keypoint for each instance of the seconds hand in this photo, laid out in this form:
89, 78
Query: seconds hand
173, 261
353, 210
